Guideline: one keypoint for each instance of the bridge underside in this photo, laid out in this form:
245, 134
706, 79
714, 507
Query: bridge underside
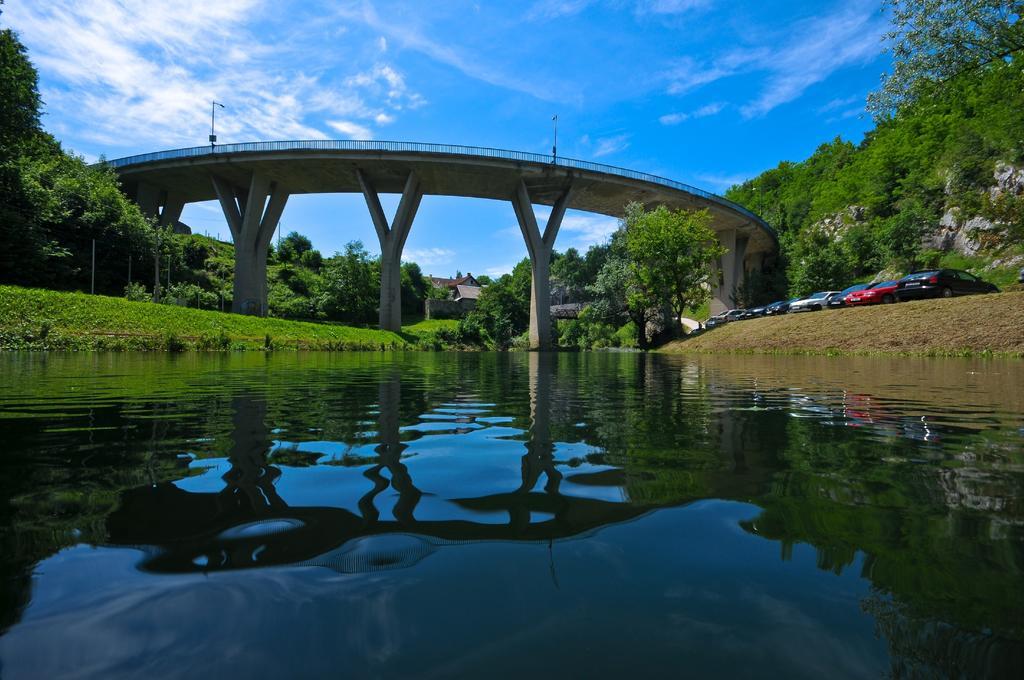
253, 189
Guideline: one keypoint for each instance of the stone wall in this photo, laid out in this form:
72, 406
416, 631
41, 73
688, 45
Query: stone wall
448, 309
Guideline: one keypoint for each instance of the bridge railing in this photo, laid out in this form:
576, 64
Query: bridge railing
421, 147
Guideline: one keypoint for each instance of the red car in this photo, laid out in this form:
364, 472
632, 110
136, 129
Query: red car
883, 292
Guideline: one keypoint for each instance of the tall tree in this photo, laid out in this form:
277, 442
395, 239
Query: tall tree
933, 41
350, 285
671, 253
19, 103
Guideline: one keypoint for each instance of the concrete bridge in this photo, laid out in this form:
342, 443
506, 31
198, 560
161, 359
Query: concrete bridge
253, 181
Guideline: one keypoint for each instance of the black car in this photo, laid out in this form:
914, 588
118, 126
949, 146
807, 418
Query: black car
779, 307
840, 300
941, 283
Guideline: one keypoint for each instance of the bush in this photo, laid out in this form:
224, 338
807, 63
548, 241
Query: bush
172, 343
136, 292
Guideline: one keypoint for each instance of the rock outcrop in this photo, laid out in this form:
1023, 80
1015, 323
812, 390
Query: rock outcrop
837, 224
967, 236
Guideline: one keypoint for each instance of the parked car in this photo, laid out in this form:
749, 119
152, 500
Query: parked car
941, 283
882, 292
754, 313
779, 307
840, 300
814, 302
716, 320
735, 314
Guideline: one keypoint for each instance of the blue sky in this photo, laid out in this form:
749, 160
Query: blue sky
707, 92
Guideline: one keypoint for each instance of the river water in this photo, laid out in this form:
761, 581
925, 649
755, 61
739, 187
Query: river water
575, 515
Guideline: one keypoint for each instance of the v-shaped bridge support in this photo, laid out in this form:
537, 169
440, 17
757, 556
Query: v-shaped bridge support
252, 213
392, 240
539, 247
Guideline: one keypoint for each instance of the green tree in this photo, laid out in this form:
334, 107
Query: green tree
293, 246
415, 288
819, 262
568, 270
901, 234
349, 288
934, 41
617, 296
20, 102
671, 255
503, 310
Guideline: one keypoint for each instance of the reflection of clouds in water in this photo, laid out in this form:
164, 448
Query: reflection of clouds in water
267, 621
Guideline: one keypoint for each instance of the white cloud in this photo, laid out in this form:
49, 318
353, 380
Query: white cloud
428, 257
720, 182
816, 48
823, 46
142, 74
671, 6
473, 66
839, 103
702, 112
350, 129
500, 270
687, 74
578, 230
605, 146
583, 231
554, 9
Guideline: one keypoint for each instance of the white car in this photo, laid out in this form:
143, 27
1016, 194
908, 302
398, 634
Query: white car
814, 302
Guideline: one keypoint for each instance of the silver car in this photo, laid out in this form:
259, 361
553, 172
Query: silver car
814, 302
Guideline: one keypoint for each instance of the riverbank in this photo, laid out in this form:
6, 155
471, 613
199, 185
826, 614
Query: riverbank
35, 319
977, 325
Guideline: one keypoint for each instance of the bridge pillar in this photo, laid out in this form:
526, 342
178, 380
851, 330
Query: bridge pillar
392, 241
252, 214
724, 278
166, 206
539, 248
732, 269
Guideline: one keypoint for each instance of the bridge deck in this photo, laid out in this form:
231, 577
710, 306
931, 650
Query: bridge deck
328, 166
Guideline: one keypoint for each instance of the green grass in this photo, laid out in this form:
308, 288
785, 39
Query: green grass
430, 326
44, 319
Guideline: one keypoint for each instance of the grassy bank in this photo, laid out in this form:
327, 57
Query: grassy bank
976, 325
44, 319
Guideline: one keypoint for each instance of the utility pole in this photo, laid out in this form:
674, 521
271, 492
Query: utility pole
213, 122
156, 269
129, 268
554, 145
93, 284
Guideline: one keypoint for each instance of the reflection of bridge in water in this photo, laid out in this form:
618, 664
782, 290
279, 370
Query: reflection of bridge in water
248, 524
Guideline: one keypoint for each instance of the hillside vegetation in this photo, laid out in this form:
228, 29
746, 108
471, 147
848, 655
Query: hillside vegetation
938, 183
957, 326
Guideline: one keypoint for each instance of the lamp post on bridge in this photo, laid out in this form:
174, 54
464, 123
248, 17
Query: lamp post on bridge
554, 145
213, 122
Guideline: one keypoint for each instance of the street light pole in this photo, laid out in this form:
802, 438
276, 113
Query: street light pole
213, 122
554, 145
